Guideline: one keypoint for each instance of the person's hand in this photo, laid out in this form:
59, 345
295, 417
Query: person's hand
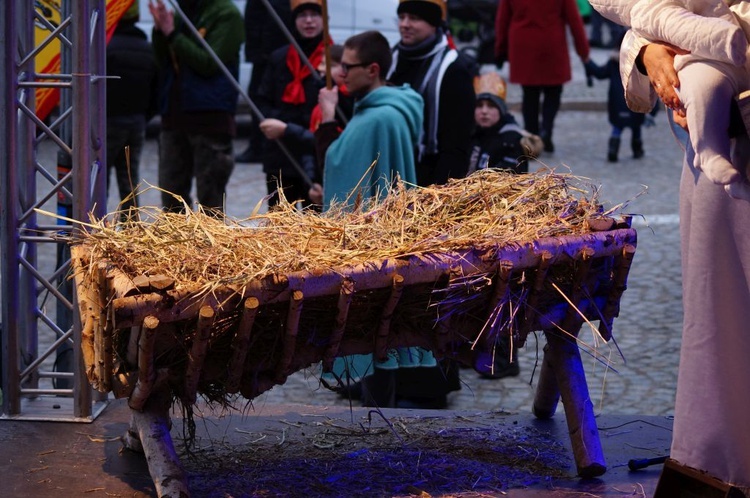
681, 120
316, 193
658, 59
328, 99
649, 121
499, 62
272, 128
163, 18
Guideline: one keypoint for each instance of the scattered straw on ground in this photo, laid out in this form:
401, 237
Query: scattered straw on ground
198, 249
411, 456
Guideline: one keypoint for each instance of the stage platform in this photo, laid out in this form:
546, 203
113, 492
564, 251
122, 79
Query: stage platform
302, 450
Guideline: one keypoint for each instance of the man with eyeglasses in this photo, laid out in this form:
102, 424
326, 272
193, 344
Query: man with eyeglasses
386, 125
287, 96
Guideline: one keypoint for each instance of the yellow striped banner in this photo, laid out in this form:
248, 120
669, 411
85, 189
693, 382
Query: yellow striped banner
47, 60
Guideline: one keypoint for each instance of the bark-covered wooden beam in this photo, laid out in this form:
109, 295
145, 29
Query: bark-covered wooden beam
241, 343
146, 368
184, 303
386, 314
619, 284
198, 353
290, 336
342, 314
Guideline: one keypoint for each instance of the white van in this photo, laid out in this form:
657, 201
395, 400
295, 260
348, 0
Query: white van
345, 18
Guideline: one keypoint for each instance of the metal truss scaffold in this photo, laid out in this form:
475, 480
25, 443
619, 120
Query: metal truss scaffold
51, 171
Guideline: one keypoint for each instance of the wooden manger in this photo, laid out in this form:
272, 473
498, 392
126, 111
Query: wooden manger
154, 339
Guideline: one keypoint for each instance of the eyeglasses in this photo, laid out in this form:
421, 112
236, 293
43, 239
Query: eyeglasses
346, 67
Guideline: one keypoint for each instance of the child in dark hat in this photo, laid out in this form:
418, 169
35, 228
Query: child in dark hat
498, 141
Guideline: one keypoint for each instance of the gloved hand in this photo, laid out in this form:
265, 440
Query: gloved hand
500, 62
649, 121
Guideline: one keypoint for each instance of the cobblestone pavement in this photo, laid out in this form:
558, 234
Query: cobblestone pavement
644, 360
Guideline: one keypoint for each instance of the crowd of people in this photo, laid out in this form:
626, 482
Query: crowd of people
183, 82
420, 111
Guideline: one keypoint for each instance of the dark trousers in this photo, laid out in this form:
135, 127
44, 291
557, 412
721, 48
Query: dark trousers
294, 187
130, 134
532, 104
184, 156
598, 21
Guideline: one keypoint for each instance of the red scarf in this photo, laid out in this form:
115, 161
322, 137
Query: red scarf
294, 93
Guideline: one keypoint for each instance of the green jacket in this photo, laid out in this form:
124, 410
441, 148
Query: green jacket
203, 86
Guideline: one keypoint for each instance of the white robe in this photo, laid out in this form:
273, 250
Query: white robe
711, 429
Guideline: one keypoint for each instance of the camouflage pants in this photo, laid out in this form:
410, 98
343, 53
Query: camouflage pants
184, 156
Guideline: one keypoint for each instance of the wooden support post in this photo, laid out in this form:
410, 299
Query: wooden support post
384, 327
573, 318
198, 353
497, 299
241, 344
342, 313
108, 333
565, 360
149, 433
87, 348
146, 370
547, 393
131, 355
87, 314
536, 288
123, 384
619, 284
290, 336
100, 326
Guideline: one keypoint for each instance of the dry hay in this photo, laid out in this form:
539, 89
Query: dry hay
200, 250
406, 456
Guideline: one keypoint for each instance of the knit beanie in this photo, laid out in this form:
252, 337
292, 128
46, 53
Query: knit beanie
491, 86
432, 11
300, 5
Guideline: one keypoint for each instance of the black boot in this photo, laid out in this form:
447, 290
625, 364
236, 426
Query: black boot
637, 145
614, 148
546, 137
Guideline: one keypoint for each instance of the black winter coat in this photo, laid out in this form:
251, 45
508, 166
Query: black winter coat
275, 79
499, 146
262, 33
131, 58
455, 116
619, 113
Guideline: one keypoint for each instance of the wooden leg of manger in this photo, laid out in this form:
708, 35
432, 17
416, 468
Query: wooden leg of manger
149, 433
565, 361
547, 393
